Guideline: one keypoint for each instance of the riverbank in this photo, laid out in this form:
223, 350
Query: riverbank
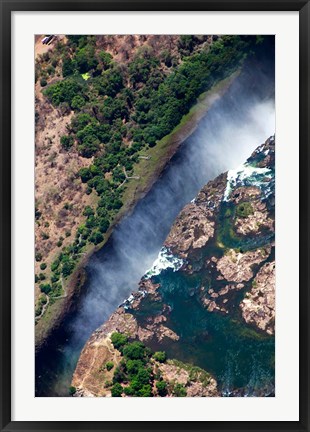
148, 170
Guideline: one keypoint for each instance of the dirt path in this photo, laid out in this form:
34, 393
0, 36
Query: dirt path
43, 308
87, 380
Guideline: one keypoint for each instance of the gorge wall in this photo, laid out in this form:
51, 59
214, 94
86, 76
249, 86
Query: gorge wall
208, 301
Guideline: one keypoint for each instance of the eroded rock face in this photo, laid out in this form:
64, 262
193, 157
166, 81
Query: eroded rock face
192, 229
225, 236
258, 307
256, 221
194, 226
197, 384
237, 267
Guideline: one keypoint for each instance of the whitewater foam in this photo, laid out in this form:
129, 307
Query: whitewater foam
164, 261
247, 175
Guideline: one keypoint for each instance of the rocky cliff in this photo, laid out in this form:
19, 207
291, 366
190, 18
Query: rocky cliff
217, 259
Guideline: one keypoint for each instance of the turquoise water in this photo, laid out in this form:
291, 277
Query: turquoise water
236, 354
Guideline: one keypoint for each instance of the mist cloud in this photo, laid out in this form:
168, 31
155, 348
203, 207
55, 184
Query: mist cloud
235, 125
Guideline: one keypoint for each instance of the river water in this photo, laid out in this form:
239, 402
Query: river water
236, 124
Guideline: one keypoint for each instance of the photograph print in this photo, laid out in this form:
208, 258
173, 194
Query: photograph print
154, 215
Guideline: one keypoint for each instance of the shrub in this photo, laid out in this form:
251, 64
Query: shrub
67, 268
72, 390
109, 365
244, 209
55, 265
118, 376
38, 256
105, 57
43, 266
108, 383
54, 278
43, 82
160, 356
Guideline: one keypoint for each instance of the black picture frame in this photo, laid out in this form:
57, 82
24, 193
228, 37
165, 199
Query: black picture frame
7, 7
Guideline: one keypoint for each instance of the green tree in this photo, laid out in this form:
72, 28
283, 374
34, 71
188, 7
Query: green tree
68, 66
129, 391
88, 211
78, 102
66, 141
43, 82
117, 390
85, 174
103, 224
62, 91
85, 59
145, 391
179, 390
105, 58
161, 388
118, 340
134, 351
96, 237
67, 267
143, 376
133, 367
45, 288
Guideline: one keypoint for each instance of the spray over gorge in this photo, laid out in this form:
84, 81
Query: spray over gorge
237, 123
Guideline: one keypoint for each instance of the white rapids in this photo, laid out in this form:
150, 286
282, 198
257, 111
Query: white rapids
247, 175
164, 261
